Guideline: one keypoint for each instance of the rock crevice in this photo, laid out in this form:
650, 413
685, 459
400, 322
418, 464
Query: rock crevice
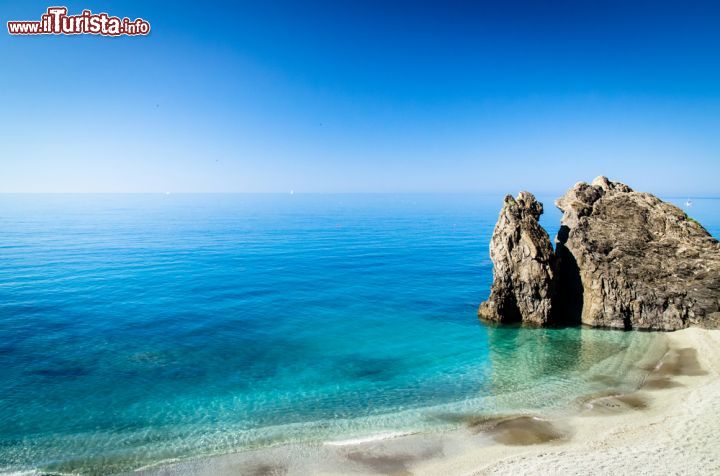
623, 259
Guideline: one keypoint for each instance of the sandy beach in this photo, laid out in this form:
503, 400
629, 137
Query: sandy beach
668, 426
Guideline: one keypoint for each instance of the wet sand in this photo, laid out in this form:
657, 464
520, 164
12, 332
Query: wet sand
671, 425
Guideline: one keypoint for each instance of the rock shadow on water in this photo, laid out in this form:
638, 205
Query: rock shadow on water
61, 372
370, 368
396, 464
675, 363
680, 362
660, 383
265, 470
526, 430
613, 403
383, 464
513, 430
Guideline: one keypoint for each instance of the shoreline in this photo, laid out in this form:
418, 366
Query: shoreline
667, 421
667, 426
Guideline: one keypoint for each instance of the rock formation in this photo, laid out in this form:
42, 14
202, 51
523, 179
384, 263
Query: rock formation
623, 259
523, 261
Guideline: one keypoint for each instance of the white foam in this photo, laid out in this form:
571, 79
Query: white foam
161, 462
367, 439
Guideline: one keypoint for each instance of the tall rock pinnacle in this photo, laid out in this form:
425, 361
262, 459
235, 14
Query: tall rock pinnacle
523, 265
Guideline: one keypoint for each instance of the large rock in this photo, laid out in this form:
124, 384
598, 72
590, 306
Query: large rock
623, 259
642, 263
523, 264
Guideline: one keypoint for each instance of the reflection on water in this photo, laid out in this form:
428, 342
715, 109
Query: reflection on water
530, 365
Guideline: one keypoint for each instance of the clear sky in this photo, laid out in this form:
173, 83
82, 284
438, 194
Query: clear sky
365, 96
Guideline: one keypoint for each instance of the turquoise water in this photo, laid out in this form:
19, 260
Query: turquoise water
139, 328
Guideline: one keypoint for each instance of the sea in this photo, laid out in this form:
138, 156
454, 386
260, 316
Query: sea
137, 329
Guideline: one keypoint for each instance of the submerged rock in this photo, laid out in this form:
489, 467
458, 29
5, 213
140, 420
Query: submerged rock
623, 259
523, 264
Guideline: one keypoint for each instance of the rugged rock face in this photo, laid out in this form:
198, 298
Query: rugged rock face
623, 259
523, 265
642, 262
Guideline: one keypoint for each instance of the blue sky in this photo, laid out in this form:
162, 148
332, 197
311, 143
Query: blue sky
366, 97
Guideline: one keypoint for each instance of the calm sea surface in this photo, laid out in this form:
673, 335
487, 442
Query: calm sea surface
140, 328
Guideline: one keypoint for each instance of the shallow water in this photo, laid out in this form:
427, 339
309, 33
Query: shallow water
139, 328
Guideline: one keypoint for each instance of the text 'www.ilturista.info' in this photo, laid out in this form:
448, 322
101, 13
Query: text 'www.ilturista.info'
56, 21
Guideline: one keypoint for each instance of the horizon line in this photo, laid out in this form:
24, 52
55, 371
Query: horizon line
292, 193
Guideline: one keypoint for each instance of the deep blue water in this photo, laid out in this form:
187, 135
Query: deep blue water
136, 328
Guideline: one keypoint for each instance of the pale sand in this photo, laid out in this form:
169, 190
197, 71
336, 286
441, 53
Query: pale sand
670, 426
